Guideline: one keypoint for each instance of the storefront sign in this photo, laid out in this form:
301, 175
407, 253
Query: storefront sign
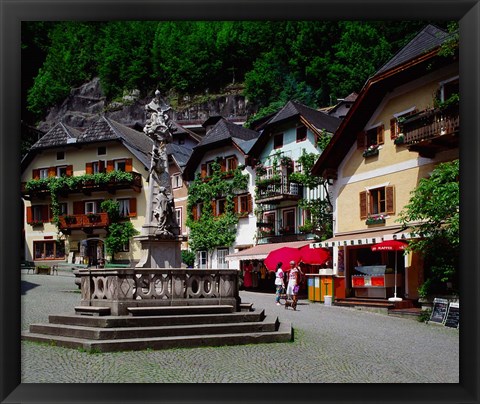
453, 315
439, 310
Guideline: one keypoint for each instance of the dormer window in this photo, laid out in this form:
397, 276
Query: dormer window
278, 141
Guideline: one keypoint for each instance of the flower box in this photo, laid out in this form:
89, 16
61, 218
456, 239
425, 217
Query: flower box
399, 140
36, 223
371, 151
94, 217
375, 220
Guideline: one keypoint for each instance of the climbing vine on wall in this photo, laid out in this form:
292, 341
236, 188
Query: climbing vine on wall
207, 230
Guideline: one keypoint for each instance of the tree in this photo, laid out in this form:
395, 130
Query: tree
433, 213
209, 231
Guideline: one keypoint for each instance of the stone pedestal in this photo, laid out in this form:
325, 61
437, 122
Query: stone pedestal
160, 251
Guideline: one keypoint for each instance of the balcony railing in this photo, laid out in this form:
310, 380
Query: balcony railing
86, 186
85, 221
432, 130
277, 189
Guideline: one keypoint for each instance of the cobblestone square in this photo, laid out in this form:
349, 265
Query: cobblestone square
332, 345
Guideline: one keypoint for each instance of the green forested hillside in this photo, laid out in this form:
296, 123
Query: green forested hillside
314, 62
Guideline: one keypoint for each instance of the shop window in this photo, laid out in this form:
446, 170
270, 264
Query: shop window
221, 258
301, 134
377, 201
278, 141
49, 249
202, 259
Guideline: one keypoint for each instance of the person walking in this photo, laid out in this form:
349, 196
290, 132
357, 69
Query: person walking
279, 283
293, 284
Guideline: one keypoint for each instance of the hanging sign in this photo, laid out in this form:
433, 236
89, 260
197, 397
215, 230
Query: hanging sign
453, 315
439, 310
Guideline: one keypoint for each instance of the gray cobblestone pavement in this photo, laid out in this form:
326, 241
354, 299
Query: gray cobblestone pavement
332, 345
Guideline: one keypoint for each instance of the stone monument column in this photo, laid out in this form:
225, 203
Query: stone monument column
160, 236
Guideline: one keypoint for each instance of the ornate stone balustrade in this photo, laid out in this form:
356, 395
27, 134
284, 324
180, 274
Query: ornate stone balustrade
119, 288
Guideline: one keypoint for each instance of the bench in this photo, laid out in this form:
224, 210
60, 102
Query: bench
111, 265
28, 265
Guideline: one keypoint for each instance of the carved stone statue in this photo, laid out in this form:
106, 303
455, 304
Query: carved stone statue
159, 128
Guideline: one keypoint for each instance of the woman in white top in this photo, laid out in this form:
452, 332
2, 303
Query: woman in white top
279, 283
293, 284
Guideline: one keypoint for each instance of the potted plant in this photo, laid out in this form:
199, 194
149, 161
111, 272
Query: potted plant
371, 150
375, 219
93, 217
69, 219
36, 223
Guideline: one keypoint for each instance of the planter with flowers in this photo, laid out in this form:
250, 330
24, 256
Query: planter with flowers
94, 217
377, 219
371, 150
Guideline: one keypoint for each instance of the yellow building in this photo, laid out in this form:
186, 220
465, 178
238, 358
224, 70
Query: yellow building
395, 134
106, 161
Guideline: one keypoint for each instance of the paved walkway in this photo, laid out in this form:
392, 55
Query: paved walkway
332, 345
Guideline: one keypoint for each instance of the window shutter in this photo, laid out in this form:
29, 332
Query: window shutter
128, 165
50, 212
380, 136
223, 165
29, 214
194, 213
250, 203
36, 174
361, 140
69, 171
133, 207
235, 204
214, 208
204, 170
78, 208
234, 162
101, 166
45, 216
52, 172
393, 128
89, 168
110, 166
390, 200
363, 205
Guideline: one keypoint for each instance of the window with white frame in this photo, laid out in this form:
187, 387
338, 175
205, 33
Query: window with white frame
121, 165
124, 207
61, 171
202, 259
99, 166
177, 181
102, 151
92, 207
178, 215
221, 258
43, 172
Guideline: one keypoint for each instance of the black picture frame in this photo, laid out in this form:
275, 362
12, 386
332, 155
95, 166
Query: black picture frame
13, 12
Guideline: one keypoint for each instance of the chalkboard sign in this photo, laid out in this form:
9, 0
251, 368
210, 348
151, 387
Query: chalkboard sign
453, 315
439, 310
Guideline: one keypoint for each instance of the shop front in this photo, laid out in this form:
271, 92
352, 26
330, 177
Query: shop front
380, 274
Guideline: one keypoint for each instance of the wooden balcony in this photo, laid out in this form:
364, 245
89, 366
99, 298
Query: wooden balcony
85, 222
431, 131
86, 187
275, 190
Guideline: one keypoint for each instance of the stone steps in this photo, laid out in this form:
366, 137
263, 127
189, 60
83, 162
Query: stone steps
267, 325
156, 321
160, 328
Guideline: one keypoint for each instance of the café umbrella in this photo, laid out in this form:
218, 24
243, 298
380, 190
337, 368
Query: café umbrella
314, 256
391, 245
283, 255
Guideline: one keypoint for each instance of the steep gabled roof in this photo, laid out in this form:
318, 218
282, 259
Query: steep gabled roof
319, 119
416, 59
294, 111
222, 134
59, 135
179, 153
428, 38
